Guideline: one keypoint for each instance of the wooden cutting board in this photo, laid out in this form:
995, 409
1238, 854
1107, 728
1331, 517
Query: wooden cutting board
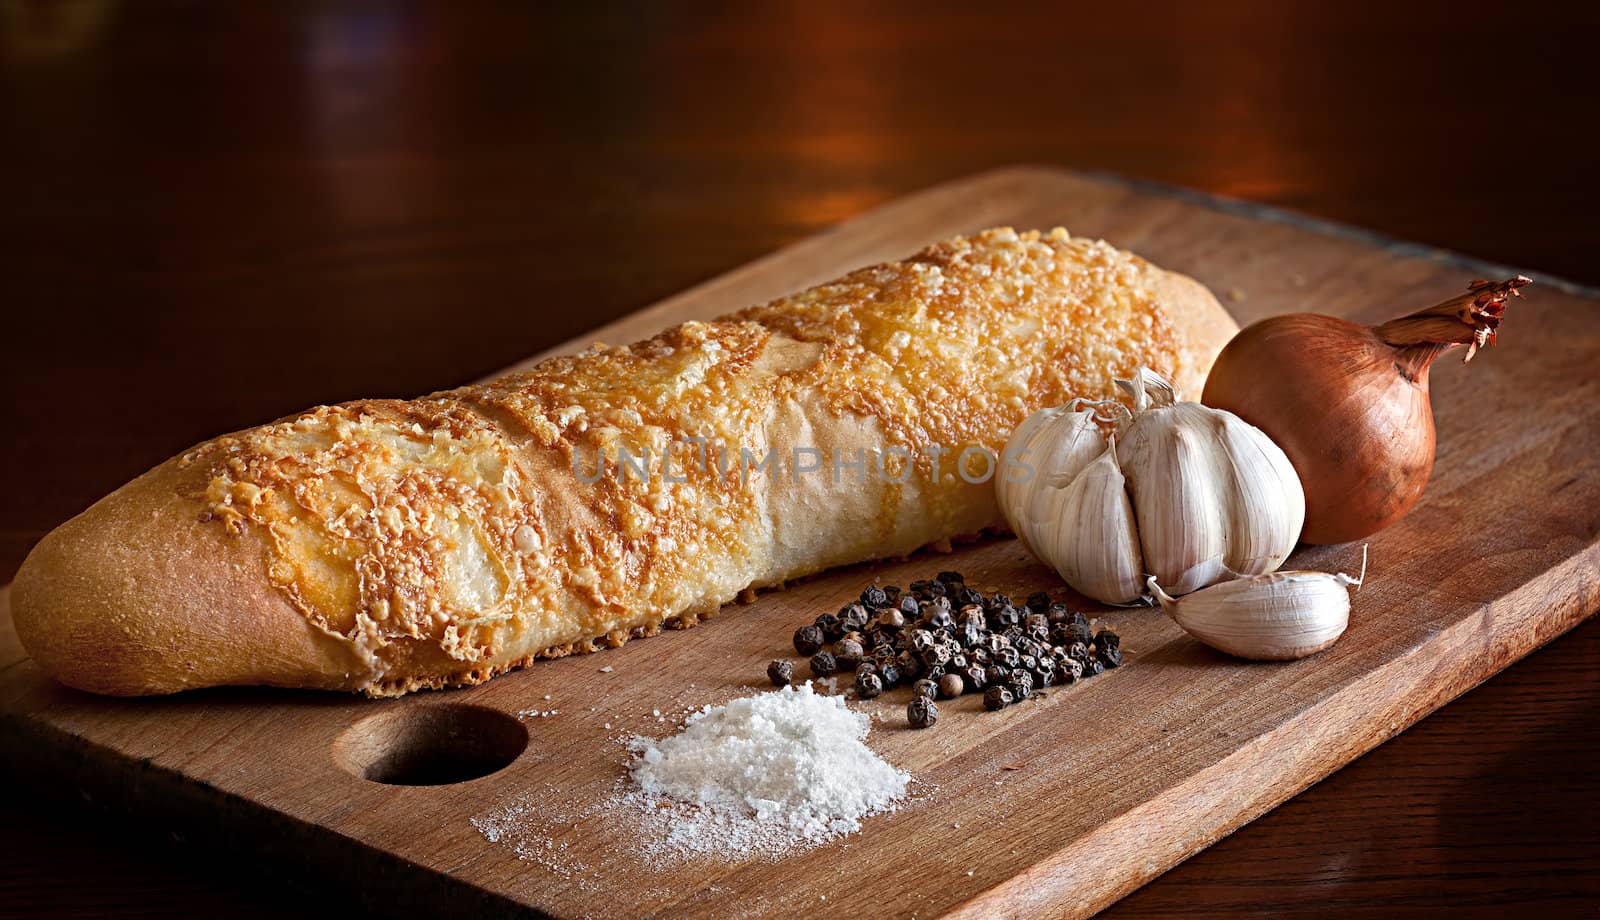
1051, 808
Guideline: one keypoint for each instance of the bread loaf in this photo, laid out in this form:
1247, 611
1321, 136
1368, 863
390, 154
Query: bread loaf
385, 545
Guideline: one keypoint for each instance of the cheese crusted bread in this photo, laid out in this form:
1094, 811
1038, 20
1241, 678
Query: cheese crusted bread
385, 545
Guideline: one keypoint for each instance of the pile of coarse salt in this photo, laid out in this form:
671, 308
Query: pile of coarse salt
762, 775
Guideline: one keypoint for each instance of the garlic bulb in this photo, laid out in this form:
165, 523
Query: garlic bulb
1274, 617
1187, 493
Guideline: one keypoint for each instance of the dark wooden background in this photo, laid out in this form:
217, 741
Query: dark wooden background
212, 214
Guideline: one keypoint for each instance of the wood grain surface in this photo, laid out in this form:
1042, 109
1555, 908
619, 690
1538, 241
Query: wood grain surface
1119, 778
457, 185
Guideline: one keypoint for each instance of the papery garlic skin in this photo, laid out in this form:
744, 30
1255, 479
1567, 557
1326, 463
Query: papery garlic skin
1279, 616
1044, 454
1096, 548
1213, 496
1268, 506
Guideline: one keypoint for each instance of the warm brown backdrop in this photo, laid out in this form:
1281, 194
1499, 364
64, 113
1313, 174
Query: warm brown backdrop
215, 213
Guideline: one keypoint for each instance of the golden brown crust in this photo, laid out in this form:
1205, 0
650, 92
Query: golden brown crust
387, 546
135, 596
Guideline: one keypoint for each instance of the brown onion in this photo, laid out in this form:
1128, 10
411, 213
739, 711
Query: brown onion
1349, 403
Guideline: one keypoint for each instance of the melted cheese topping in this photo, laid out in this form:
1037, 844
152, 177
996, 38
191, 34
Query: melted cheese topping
465, 523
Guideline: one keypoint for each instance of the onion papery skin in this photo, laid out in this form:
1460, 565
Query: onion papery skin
1350, 410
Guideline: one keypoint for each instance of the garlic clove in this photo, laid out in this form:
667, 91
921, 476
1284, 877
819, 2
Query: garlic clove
1009, 484
1266, 505
1279, 616
1071, 443
1170, 460
1018, 475
1094, 546
1044, 453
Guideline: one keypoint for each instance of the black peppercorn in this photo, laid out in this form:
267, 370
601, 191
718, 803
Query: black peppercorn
1021, 684
996, 674
1038, 602
891, 619
1008, 656
867, 666
1079, 652
909, 606
910, 665
1106, 639
1036, 626
1004, 617
868, 684
925, 688
996, 697
1058, 613
974, 677
1071, 671
1093, 667
890, 674
874, 597
780, 672
823, 664
848, 653
951, 686
854, 616
830, 626
1110, 657
808, 640
937, 589
952, 578
922, 712
892, 592
969, 597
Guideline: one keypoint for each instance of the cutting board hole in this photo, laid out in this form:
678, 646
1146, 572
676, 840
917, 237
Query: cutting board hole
430, 745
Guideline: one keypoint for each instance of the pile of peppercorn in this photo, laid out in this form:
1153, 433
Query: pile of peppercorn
945, 639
